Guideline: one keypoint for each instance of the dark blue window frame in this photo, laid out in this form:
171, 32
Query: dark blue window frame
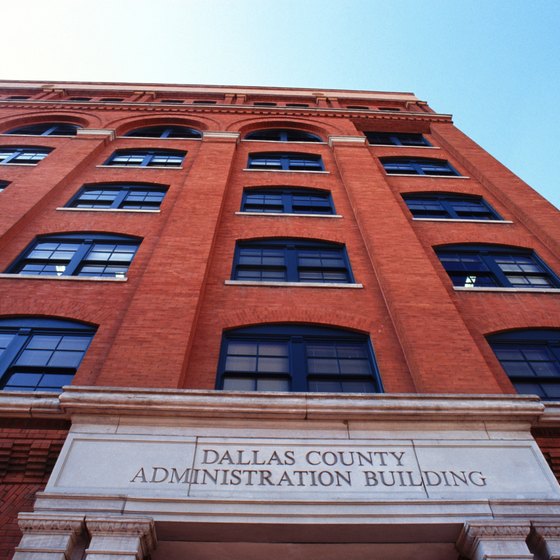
147, 158
23, 155
418, 166
531, 359
123, 196
77, 254
287, 201
495, 266
297, 358
449, 206
47, 129
3, 185
291, 260
396, 139
39, 354
164, 131
282, 161
283, 135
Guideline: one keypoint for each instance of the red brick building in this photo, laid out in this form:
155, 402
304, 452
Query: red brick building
286, 322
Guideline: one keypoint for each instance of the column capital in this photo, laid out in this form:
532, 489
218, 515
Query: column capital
112, 530
40, 523
545, 537
492, 539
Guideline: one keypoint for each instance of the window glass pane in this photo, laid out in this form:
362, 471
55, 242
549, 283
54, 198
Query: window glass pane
74, 343
365, 386
273, 384
241, 348
318, 365
350, 367
54, 381
273, 349
241, 363
39, 342
518, 368
324, 386
34, 358
239, 384
23, 380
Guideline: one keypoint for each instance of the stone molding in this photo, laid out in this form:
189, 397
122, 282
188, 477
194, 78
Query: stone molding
221, 136
105, 132
547, 529
347, 140
315, 406
38, 523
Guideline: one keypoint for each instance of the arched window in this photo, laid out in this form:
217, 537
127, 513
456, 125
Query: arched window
417, 166
22, 155
39, 354
495, 266
287, 200
283, 135
291, 260
121, 196
433, 205
284, 161
165, 131
297, 357
46, 129
77, 254
146, 158
531, 358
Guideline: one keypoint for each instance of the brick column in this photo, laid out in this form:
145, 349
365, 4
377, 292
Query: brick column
47, 537
120, 538
432, 333
495, 540
546, 539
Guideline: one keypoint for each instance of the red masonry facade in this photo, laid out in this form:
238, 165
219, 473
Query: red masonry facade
403, 185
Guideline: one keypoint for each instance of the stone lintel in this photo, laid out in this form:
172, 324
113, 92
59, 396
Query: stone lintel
347, 140
97, 132
214, 136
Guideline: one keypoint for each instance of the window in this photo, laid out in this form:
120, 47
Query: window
165, 132
47, 129
481, 266
147, 158
264, 104
291, 260
449, 206
297, 104
287, 201
174, 101
291, 357
38, 354
358, 107
3, 185
18, 97
111, 99
79, 99
388, 109
10, 155
283, 135
531, 358
204, 102
396, 139
125, 196
417, 166
77, 254
285, 162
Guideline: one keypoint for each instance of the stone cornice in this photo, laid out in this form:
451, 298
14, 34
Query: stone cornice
30, 405
188, 403
277, 112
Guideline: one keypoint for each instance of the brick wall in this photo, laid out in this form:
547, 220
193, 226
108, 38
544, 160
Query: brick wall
28, 452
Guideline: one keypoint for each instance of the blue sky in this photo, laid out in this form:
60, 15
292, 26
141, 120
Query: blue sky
493, 64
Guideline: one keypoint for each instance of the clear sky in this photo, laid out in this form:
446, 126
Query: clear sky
493, 64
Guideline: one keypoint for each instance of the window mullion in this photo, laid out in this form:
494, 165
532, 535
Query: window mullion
147, 159
298, 364
448, 207
287, 201
119, 199
285, 163
13, 349
291, 256
496, 271
78, 257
